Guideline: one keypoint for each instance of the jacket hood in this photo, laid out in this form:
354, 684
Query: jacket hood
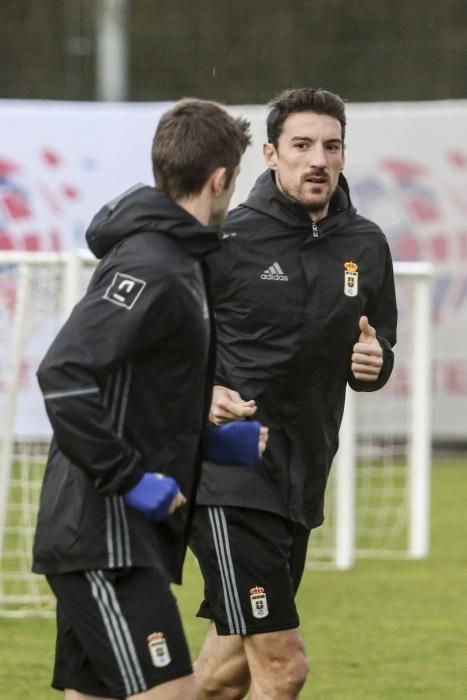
144, 208
266, 198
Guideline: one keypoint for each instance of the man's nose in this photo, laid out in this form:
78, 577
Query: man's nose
318, 156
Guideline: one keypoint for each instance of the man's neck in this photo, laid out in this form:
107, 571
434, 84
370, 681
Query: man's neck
316, 216
199, 207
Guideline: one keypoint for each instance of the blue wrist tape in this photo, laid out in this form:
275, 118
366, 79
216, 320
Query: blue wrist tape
152, 496
234, 443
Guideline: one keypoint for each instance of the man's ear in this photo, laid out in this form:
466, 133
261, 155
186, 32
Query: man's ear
217, 181
270, 155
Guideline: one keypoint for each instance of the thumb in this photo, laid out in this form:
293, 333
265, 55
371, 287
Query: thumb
367, 331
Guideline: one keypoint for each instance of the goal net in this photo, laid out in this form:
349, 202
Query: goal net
377, 500
37, 291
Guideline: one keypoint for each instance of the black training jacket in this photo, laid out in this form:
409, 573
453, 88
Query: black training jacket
288, 295
127, 384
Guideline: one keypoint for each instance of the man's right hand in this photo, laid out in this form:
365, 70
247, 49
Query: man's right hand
237, 442
228, 405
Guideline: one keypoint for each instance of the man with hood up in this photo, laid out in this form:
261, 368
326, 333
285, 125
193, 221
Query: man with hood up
303, 293
127, 386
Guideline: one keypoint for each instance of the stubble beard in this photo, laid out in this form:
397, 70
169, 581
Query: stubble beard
315, 206
312, 206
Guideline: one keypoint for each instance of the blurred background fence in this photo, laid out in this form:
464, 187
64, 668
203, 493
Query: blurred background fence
237, 52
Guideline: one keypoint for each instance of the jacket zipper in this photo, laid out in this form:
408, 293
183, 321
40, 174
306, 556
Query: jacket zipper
314, 228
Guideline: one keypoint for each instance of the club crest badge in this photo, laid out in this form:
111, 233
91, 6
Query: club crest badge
351, 279
159, 650
259, 602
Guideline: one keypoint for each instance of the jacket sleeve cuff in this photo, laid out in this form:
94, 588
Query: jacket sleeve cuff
131, 480
126, 477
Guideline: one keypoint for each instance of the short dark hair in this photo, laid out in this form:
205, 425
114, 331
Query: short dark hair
303, 100
192, 139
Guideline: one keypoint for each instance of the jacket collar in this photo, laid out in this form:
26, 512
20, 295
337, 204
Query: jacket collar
147, 209
265, 197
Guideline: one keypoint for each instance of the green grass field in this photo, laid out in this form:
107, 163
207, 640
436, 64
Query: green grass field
387, 630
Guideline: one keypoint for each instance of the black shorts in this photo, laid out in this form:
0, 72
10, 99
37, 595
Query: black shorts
119, 632
252, 563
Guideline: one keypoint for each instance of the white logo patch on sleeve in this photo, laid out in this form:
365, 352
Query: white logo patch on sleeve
124, 290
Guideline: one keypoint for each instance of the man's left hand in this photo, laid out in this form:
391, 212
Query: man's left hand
367, 356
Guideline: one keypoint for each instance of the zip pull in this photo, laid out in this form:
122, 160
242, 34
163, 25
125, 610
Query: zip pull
314, 228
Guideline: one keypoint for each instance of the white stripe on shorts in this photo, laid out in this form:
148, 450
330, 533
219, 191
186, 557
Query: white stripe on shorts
220, 535
118, 633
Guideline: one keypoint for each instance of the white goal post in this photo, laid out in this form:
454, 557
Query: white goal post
37, 291
378, 496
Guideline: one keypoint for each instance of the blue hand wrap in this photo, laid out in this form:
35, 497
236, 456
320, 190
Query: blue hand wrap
152, 496
234, 443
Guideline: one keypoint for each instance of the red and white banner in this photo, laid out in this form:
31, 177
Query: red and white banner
406, 164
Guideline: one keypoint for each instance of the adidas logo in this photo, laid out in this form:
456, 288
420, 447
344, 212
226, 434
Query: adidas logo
274, 272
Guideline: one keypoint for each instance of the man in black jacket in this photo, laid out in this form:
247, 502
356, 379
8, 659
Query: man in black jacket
303, 293
127, 387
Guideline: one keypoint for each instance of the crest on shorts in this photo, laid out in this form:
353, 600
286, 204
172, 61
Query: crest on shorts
351, 279
259, 602
159, 650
